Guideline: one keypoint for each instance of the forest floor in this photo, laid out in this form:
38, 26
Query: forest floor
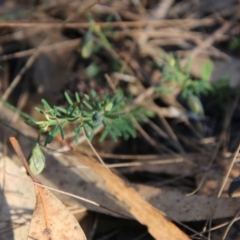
177, 63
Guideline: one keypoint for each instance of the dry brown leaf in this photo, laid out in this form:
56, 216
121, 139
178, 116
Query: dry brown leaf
52, 220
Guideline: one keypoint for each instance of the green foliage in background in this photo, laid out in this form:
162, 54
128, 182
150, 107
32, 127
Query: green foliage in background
94, 39
234, 44
177, 77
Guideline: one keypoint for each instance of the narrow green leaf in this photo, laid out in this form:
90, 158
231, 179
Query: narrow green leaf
91, 135
48, 139
77, 98
116, 130
117, 105
86, 96
30, 122
86, 131
113, 116
94, 105
87, 114
62, 133
94, 93
99, 105
39, 110
51, 135
55, 111
112, 134
87, 45
69, 100
77, 131
206, 71
125, 136
103, 135
87, 105
63, 110
72, 110
46, 105
131, 131
74, 119
116, 95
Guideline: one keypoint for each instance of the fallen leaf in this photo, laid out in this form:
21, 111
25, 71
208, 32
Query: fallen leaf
52, 220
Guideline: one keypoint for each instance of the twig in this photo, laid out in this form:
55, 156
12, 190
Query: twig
19, 152
148, 138
18, 78
162, 9
52, 47
229, 170
63, 192
190, 23
214, 228
95, 152
236, 218
210, 40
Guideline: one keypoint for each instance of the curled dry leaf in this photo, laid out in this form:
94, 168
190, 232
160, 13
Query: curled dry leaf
52, 220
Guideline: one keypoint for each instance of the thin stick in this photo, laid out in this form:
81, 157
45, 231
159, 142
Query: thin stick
149, 139
21, 156
63, 192
210, 40
63, 45
236, 218
18, 78
192, 23
229, 170
95, 152
136, 164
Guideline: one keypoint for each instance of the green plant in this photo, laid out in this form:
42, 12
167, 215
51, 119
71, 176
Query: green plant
36, 159
234, 44
87, 114
175, 76
94, 39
